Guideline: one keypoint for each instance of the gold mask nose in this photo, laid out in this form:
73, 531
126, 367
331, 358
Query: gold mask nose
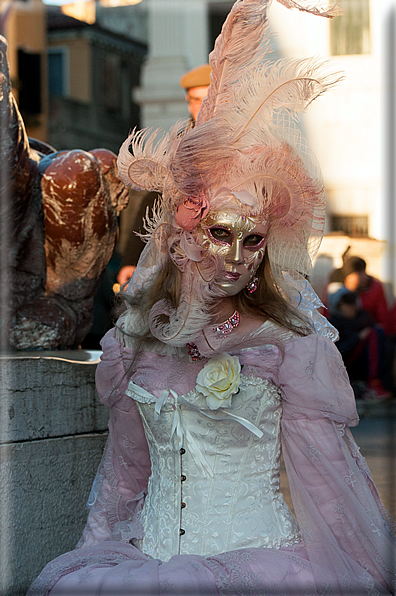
235, 252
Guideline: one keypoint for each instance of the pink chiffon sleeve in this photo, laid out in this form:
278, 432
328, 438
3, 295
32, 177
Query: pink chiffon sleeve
120, 486
342, 519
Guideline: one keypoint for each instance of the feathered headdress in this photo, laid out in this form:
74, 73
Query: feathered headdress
245, 140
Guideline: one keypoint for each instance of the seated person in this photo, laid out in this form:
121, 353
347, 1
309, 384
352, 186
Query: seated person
370, 291
362, 344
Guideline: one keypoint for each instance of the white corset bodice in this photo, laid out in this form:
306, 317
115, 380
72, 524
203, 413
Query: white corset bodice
214, 484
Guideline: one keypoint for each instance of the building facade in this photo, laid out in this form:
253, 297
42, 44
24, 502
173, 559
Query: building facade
72, 80
351, 128
23, 24
91, 73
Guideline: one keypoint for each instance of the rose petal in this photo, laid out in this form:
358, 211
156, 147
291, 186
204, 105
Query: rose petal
185, 218
190, 213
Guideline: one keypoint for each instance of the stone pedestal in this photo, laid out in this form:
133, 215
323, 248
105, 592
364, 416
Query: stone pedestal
52, 433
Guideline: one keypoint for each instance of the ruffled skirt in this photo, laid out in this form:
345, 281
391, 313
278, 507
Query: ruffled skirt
118, 569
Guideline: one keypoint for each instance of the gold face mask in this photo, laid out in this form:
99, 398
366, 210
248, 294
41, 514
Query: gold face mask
240, 241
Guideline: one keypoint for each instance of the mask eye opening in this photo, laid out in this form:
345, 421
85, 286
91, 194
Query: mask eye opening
220, 235
253, 242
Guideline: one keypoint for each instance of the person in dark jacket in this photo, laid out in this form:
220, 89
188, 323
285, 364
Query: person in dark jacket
362, 344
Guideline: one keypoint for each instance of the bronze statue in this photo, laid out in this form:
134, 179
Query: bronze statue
58, 231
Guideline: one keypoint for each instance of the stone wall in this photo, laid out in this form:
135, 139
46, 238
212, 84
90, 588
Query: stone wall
52, 433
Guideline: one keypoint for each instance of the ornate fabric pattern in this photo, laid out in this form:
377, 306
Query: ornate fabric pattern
231, 499
347, 544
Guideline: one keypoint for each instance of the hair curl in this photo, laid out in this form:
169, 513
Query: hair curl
266, 302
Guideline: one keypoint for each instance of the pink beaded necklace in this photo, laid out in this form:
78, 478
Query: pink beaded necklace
223, 330
227, 326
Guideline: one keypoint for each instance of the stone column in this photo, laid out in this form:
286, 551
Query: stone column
177, 42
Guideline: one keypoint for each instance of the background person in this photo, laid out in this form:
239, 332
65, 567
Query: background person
362, 344
195, 83
369, 290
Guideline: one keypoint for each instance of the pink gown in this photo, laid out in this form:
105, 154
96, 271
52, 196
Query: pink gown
338, 542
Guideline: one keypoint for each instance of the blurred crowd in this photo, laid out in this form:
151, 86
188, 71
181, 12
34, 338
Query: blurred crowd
358, 307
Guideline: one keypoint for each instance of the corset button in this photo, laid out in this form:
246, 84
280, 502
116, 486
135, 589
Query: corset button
183, 477
182, 532
183, 504
182, 451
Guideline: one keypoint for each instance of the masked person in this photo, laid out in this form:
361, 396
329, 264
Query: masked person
221, 358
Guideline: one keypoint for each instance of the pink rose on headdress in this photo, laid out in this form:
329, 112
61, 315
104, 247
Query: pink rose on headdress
190, 213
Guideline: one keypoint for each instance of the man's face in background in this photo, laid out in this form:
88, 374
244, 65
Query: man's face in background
194, 98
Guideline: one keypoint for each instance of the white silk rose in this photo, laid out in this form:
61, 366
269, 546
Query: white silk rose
219, 380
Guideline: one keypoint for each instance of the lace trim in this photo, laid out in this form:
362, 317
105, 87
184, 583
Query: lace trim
73, 561
180, 434
307, 303
195, 397
362, 464
131, 528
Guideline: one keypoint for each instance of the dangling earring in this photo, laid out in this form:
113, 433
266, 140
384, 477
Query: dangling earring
251, 286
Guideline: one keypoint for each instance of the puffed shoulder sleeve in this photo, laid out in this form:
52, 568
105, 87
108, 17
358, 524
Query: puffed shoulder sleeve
315, 383
120, 486
112, 376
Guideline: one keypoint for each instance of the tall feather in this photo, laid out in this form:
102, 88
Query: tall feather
289, 85
321, 9
236, 50
144, 157
242, 45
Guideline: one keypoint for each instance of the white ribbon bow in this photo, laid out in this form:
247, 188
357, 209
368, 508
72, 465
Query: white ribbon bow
179, 432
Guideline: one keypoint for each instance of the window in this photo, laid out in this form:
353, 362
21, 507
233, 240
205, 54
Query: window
218, 12
350, 225
29, 82
350, 33
58, 72
112, 83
